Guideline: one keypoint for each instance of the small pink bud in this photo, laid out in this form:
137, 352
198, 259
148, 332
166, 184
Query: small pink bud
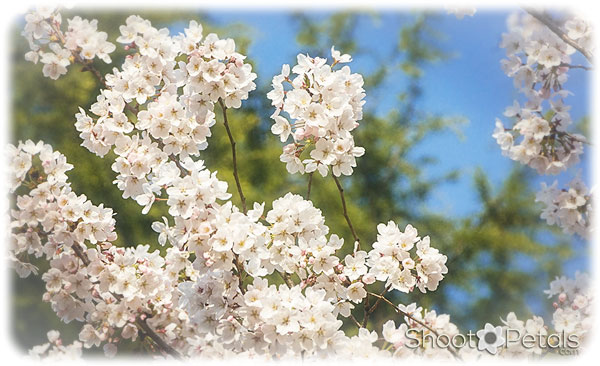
562, 297
555, 305
368, 279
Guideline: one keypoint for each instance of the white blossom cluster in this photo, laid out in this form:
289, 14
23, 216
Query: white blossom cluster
49, 216
108, 288
569, 208
54, 350
572, 317
391, 260
172, 102
574, 305
81, 42
538, 61
421, 322
322, 106
263, 318
211, 293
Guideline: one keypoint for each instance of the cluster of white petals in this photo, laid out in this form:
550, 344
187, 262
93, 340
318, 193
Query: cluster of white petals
81, 42
55, 351
574, 304
391, 260
211, 292
172, 105
49, 217
322, 106
423, 324
538, 61
572, 319
569, 208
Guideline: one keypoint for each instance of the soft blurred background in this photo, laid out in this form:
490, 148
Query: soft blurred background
434, 87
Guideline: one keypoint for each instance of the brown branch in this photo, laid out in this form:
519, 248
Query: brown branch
233, 153
366, 311
142, 324
339, 186
376, 304
550, 23
355, 321
454, 353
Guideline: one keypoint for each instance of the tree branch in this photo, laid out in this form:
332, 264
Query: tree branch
235, 170
454, 353
549, 22
339, 186
141, 324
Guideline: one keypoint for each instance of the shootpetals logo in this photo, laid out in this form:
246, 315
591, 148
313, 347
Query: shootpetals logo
490, 338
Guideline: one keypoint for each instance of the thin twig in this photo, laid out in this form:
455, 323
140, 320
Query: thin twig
235, 170
339, 186
366, 312
549, 22
372, 308
355, 321
310, 177
454, 353
587, 68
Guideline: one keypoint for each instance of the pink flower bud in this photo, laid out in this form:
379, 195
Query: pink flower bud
368, 279
562, 297
555, 305
289, 148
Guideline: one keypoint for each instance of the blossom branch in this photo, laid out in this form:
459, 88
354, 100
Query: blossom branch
141, 323
233, 153
399, 311
549, 22
87, 66
341, 190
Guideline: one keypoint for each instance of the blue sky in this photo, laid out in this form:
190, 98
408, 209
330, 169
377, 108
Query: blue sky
469, 84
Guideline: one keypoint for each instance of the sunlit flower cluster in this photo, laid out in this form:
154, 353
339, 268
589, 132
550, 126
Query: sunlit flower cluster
81, 42
48, 216
569, 208
391, 260
230, 281
171, 102
318, 107
539, 61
